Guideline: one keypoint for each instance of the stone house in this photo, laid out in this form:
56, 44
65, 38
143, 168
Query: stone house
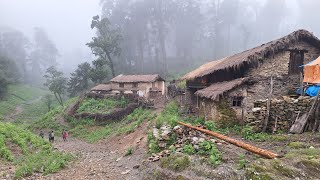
143, 85
241, 79
101, 89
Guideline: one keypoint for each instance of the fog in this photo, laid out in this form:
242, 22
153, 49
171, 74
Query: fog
67, 23
169, 37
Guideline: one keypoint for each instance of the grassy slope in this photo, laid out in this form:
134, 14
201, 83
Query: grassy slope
24, 91
28, 152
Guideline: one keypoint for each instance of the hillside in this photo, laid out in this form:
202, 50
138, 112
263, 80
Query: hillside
148, 144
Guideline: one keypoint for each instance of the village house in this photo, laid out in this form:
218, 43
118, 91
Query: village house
143, 85
101, 89
241, 79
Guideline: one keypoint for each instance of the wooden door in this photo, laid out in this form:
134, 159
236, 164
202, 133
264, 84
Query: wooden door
296, 60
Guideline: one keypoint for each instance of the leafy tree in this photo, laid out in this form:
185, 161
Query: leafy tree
56, 83
48, 101
99, 71
79, 80
43, 55
9, 73
106, 44
14, 45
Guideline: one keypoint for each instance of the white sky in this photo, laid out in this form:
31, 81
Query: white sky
67, 22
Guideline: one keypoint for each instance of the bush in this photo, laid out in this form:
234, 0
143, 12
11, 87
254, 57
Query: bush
129, 151
227, 116
242, 163
170, 115
189, 149
248, 134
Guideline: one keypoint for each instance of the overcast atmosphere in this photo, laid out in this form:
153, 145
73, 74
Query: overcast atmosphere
159, 89
67, 23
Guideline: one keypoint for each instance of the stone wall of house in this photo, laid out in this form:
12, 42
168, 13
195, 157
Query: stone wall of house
284, 111
277, 67
143, 87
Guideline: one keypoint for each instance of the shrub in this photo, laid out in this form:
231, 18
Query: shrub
242, 163
248, 134
129, 151
175, 162
227, 116
189, 149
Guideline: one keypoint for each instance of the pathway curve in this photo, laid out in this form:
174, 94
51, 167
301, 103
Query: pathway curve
105, 159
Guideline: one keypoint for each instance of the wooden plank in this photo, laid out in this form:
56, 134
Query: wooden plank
299, 124
266, 120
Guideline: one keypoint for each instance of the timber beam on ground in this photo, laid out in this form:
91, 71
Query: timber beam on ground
248, 147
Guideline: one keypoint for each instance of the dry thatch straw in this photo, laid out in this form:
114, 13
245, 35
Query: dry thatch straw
237, 63
217, 89
136, 78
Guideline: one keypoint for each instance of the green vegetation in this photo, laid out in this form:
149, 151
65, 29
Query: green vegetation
242, 163
126, 126
182, 84
129, 151
152, 142
248, 134
103, 106
170, 115
36, 154
27, 93
297, 145
189, 149
209, 149
175, 162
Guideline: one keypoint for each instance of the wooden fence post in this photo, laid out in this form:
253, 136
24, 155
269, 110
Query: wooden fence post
266, 120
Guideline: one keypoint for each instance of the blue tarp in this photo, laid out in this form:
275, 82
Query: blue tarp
313, 90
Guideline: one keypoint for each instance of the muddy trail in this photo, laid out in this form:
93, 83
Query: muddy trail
102, 160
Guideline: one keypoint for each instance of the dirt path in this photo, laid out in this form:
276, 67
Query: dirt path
105, 159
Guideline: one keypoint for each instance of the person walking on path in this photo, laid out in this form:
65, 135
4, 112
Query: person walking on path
51, 137
41, 134
64, 135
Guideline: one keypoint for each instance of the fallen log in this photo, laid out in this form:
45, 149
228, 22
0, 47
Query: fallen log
248, 147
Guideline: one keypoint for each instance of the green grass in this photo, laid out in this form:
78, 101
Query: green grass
35, 155
24, 91
126, 126
103, 106
170, 115
175, 162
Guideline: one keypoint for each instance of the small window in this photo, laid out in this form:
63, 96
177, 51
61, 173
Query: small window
121, 85
236, 101
135, 85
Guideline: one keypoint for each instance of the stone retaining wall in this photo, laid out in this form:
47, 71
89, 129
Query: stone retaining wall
284, 110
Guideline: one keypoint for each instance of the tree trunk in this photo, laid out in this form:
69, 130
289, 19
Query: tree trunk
111, 65
266, 120
55, 95
60, 99
162, 37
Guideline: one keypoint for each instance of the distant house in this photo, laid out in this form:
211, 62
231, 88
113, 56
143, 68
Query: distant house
143, 85
102, 89
244, 78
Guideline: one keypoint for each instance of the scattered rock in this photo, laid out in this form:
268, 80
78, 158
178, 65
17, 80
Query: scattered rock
136, 166
125, 172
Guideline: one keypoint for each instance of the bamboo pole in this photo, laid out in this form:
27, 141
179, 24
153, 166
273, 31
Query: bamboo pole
266, 120
248, 147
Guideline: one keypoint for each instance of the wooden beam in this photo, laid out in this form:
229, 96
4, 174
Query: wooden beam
248, 147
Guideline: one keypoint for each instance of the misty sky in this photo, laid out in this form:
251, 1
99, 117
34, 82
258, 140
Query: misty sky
67, 22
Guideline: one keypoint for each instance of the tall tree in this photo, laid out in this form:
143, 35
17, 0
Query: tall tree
43, 55
79, 80
14, 45
9, 73
99, 71
56, 83
106, 44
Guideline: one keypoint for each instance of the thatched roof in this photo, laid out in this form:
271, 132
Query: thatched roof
102, 87
216, 89
252, 56
136, 78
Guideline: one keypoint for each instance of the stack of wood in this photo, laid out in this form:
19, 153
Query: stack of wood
308, 121
145, 102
